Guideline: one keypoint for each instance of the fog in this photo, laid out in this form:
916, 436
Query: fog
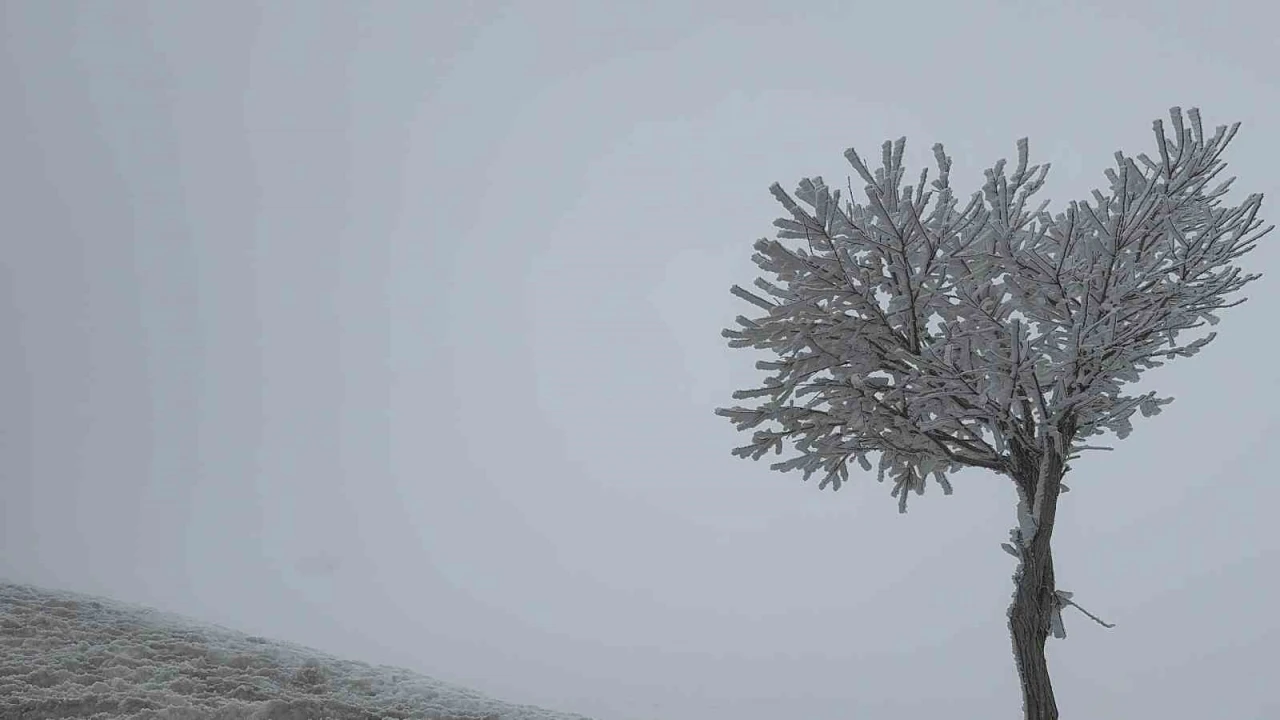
393, 329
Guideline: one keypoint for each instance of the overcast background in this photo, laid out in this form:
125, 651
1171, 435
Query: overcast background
393, 329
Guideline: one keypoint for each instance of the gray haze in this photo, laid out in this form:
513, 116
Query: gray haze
393, 329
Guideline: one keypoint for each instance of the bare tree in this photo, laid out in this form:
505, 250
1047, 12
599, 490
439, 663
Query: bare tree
990, 337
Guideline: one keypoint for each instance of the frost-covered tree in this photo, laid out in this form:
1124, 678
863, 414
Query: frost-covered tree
992, 336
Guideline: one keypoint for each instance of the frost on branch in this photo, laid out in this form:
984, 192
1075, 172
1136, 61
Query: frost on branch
940, 335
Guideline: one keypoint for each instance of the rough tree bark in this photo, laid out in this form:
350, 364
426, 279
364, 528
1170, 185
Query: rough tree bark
1038, 474
1029, 618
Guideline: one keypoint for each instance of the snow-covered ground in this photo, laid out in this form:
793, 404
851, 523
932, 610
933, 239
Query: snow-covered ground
67, 655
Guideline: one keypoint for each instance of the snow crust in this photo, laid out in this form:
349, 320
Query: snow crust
68, 655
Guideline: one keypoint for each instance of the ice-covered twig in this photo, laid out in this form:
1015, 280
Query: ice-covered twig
1062, 598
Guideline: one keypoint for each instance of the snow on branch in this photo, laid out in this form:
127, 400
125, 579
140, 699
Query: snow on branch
943, 337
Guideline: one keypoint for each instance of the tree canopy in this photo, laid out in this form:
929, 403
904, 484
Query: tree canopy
944, 337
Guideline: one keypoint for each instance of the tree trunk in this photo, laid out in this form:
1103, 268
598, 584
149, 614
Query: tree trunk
1029, 617
1038, 475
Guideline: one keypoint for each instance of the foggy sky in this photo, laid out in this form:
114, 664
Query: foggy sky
392, 329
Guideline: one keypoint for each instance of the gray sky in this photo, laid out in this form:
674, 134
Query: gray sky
393, 329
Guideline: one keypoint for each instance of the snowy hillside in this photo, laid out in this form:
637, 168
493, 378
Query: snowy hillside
66, 655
